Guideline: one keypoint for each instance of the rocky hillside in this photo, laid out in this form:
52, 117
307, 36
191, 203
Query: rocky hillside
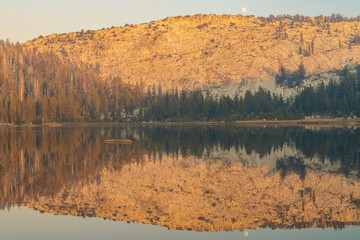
233, 52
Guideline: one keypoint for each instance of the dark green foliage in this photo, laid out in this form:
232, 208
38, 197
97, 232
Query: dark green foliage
194, 106
37, 121
291, 79
336, 99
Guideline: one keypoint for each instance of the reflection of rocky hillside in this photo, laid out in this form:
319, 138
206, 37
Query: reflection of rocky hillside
204, 196
223, 52
224, 178
40, 162
272, 159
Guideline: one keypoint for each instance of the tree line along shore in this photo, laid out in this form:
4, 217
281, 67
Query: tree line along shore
40, 88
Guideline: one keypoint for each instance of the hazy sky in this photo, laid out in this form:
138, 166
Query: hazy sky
22, 20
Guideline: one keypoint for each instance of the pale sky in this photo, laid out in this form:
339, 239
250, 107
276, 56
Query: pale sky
22, 20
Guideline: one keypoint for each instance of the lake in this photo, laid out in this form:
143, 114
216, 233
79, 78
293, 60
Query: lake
176, 182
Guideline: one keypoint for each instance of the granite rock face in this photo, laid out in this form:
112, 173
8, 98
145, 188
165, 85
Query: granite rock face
210, 51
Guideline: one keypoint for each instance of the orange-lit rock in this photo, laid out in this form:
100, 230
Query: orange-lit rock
208, 50
211, 196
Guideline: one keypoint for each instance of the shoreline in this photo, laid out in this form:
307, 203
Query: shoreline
318, 122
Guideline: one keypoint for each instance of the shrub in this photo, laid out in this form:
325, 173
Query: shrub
19, 121
37, 121
202, 25
356, 39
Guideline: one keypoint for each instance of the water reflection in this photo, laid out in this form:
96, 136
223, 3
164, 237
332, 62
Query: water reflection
194, 178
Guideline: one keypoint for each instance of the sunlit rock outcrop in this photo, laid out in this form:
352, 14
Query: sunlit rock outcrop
227, 53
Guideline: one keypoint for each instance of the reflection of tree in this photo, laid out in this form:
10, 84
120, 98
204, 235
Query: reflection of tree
337, 145
291, 165
198, 140
40, 162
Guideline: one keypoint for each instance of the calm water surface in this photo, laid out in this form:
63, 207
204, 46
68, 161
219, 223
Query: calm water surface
194, 182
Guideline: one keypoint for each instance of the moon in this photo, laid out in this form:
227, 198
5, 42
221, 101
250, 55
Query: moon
243, 10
